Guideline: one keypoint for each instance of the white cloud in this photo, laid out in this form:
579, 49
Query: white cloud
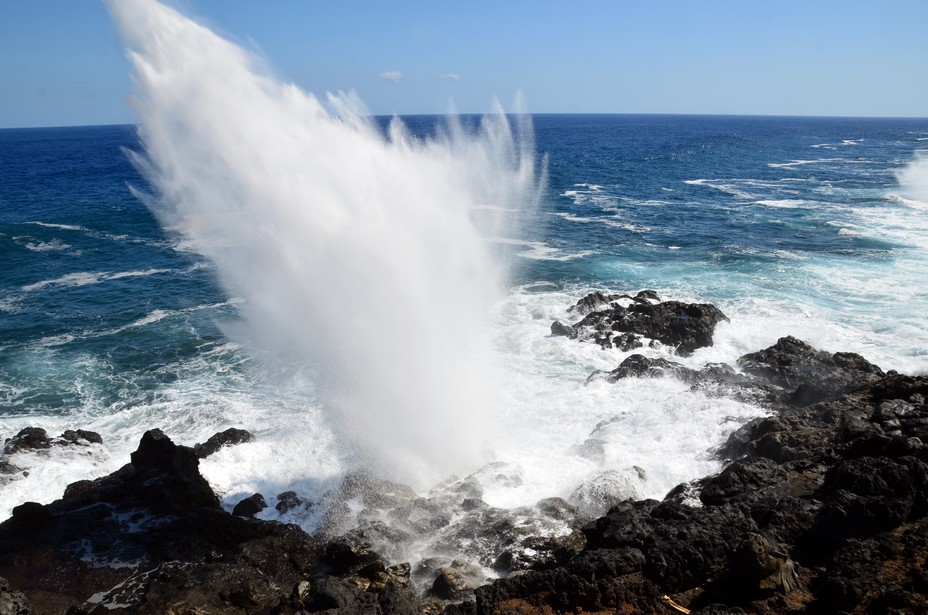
392, 75
449, 77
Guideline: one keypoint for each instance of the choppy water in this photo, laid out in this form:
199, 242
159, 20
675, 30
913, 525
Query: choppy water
813, 227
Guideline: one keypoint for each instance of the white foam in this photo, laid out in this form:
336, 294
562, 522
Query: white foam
66, 227
47, 246
610, 221
541, 251
799, 163
134, 274
728, 186
354, 249
81, 278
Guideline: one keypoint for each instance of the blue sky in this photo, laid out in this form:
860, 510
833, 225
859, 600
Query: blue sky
61, 62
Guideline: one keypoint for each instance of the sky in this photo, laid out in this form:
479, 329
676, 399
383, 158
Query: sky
62, 62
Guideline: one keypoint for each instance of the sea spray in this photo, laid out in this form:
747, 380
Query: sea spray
913, 178
360, 254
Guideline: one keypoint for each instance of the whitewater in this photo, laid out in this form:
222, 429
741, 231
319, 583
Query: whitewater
375, 295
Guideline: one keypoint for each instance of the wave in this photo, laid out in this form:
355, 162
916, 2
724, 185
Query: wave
799, 163
611, 222
135, 274
47, 246
84, 278
541, 251
66, 227
913, 179
81, 278
723, 185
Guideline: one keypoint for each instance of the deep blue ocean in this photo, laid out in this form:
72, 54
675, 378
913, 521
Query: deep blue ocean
113, 320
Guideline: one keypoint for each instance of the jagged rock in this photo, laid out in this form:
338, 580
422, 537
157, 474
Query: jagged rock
81, 436
807, 374
12, 602
346, 558
31, 516
682, 326
28, 439
640, 366
250, 506
289, 500
562, 330
456, 581
229, 437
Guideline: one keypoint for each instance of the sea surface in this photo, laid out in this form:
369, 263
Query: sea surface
115, 321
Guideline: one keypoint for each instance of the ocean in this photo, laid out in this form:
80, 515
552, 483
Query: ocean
376, 294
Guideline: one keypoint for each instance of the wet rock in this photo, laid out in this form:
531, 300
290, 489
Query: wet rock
346, 558
592, 449
250, 506
171, 473
81, 436
640, 366
229, 437
809, 375
151, 534
457, 581
28, 439
685, 327
561, 330
289, 500
602, 492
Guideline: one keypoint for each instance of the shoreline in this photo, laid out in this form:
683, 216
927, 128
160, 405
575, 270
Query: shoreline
822, 506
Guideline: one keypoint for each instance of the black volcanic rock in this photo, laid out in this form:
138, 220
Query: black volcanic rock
807, 374
685, 327
28, 439
250, 506
215, 442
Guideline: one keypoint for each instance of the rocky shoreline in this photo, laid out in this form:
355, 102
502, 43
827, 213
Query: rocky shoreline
821, 508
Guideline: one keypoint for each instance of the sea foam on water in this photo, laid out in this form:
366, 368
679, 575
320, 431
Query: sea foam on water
360, 254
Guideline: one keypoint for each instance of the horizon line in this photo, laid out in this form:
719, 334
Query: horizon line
556, 113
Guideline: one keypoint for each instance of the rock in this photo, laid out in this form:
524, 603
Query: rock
685, 327
762, 565
152, 535
31, 516
640, 366
250, 506
602, 492
229, 437
346, 558
809, 375
562, 330
81, 436
289, 500
12, 602
28, 439
456, 581
172, 474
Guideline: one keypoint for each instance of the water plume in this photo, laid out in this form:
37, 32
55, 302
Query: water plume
914, 178
358, 251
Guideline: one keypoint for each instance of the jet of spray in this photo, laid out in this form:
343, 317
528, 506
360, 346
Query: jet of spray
359, 253
913, 178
